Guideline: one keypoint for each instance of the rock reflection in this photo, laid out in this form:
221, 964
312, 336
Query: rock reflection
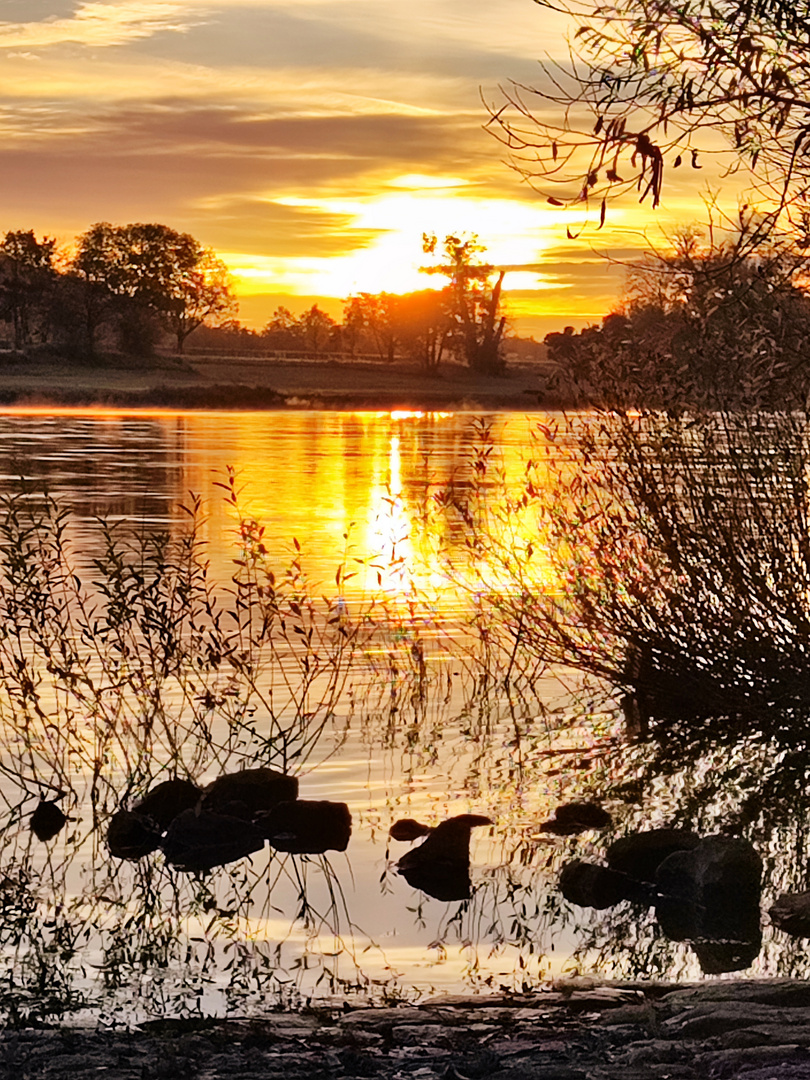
440, 866
705, 892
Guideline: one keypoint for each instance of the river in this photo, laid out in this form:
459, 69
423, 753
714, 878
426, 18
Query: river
412, 733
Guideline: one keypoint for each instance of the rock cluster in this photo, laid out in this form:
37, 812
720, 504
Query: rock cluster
704, 890
200, 828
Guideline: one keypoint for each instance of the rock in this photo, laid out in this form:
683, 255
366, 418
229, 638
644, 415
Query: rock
590, 885
165, 801
131, 836
785, 993
761, 1061
640, 854
47, 820
408, 829
440, 866
577, 817
307, 827
201, 840
449, 842
710, 897
249, 792
791, 913
383, 1019
718, 957
442, 881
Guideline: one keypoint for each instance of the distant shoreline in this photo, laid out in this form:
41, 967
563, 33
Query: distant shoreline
231, 383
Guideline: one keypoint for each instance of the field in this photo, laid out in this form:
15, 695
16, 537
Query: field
244, 382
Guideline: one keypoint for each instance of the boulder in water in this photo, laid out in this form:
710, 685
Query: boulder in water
47, 820
131, 835
577, 817
448, 843
249, 792
591, 885
640, 854
307, 826
791, 913
710, 896
199, 840
166, 800
408, 829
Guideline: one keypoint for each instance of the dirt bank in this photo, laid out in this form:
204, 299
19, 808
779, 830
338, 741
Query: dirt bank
265, 383
575, 1031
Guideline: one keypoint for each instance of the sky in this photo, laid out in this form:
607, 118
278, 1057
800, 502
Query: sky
309, 143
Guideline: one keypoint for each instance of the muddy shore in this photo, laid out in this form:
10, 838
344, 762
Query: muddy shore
582, 1030
203, 382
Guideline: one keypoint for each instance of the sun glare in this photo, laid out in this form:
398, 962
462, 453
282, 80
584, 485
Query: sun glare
515, 234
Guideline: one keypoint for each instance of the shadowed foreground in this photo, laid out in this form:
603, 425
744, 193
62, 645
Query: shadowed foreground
581, 1030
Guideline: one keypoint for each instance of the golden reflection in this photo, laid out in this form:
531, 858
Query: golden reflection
357, 488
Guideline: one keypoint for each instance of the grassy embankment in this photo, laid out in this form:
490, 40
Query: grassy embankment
239, 382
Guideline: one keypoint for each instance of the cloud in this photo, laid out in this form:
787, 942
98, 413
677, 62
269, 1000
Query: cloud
100, 25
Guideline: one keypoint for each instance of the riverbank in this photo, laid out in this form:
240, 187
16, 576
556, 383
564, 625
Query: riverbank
580, 1030
240, 382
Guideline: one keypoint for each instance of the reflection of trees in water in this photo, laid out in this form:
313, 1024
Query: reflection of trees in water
680, 590
128, 939
693, 608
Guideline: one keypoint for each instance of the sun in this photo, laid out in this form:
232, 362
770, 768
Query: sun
515, 234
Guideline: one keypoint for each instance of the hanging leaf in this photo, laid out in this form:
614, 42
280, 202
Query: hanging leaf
554, 202
677, 161
694, 160
602, 212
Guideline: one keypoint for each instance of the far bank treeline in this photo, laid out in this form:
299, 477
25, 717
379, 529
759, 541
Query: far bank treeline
132, 287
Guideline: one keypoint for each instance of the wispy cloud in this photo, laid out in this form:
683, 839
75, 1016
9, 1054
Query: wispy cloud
100, 25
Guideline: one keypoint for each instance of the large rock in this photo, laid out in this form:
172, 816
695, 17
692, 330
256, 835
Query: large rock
131, 835
590, 885
199, 840
409, 829
166, 800
448, 843
640, 854
577, 817
442, 881
791, 913
307, 826
710, 897
440, 866
249, 792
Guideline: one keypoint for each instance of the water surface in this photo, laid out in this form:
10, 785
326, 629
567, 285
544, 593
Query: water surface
330, 489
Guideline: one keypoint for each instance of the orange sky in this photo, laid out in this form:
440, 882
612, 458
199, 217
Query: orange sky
310, 142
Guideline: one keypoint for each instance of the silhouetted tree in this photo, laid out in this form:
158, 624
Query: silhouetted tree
374, 314
473, 302
708, 326
204, 292
422, 325
159, 273
26, 276
317, 329
283, 330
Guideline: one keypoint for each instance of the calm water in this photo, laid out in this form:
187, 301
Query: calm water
340, 486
